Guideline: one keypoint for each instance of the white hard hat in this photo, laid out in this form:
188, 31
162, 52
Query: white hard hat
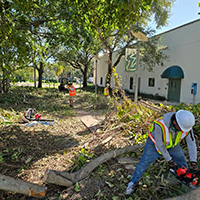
185, 120
108, 84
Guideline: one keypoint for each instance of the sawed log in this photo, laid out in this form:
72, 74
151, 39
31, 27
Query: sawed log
22, 187
68, 179
192, 195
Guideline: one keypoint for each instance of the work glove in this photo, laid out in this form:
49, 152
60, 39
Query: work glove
193, 166
173, 165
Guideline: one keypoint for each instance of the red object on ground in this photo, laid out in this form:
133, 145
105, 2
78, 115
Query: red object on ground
38, 116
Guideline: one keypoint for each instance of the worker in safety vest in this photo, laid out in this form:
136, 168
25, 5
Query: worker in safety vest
72, 93
29, 114
106, 91
164, 137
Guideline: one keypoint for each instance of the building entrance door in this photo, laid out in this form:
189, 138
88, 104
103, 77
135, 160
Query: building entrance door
174, 90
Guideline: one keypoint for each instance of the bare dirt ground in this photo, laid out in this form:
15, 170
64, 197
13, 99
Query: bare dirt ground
28, 151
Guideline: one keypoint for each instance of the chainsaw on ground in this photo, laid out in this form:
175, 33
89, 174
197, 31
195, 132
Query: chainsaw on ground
31, 116
186, 176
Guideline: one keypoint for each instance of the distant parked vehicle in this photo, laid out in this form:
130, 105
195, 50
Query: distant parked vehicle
79, 81
90, 80
63, 84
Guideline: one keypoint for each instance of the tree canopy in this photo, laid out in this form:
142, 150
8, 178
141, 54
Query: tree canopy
59, 23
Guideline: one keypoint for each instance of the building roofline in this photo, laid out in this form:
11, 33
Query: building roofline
197, 20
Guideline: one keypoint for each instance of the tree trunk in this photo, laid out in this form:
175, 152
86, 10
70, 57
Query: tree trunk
1, 90
192, 195
3, 84
109, 72
5, 81
7, 84
68, 179
40, 72
22, 187
85, 76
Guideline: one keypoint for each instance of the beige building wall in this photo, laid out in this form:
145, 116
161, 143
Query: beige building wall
183, 50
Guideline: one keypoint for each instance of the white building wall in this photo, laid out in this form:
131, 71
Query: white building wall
102, 67
160, 87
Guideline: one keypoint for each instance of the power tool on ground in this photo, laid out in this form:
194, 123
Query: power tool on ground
186, 176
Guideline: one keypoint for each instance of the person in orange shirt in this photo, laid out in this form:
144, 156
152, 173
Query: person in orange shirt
72, 93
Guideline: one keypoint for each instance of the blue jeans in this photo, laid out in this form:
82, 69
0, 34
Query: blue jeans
150, 154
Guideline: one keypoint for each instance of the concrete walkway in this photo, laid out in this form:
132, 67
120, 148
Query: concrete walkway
163, 102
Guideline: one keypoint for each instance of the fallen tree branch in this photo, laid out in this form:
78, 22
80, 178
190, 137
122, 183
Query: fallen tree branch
22, 187
68, 179
11, 166
153, 107
192, 195
105, 137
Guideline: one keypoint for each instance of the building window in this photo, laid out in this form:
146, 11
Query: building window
151, 82
131, 83
101, 81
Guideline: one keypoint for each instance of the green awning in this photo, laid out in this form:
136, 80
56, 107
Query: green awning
173, 72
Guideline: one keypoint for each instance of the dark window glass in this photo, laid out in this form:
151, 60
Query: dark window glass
131, 83
101, 81
151, 82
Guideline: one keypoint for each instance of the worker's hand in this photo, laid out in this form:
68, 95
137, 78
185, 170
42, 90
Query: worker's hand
173, 165
193, 166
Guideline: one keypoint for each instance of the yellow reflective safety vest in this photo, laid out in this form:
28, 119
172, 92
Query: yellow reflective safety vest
106, 91
167, 136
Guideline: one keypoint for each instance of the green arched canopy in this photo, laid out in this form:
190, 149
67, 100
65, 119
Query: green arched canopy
173, 72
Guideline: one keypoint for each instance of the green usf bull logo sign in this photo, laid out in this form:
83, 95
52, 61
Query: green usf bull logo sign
130, 65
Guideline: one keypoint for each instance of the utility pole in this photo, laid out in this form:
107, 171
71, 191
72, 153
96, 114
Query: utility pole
136, 71
141, 37
96, 61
